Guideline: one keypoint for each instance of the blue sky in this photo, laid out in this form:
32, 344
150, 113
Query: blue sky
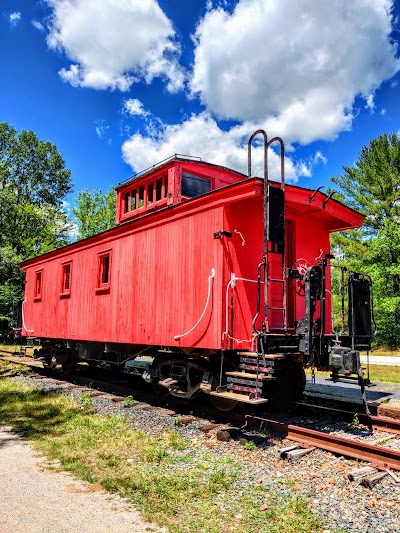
119, 85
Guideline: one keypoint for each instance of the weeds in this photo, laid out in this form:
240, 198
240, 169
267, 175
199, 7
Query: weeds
86, 400
355, 422
249, 446
129, 401
178, 421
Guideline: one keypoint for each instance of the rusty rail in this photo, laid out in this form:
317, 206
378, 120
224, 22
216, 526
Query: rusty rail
382, 423
381, 457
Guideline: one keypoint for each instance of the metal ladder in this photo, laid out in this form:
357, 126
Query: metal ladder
271, 245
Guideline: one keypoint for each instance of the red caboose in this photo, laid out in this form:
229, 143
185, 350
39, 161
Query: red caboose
205, 269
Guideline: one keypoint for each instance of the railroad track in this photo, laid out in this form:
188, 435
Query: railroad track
380, 457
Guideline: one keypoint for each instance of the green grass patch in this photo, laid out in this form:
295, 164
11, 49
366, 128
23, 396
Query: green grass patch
8, 369
17, 348
172, 485
384, 373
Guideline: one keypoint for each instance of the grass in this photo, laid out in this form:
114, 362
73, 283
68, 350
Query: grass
384, 373
8, 369
16, 348
173, 486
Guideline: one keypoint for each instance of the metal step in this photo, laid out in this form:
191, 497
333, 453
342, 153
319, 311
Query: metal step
238, 397
252, 367
246, 388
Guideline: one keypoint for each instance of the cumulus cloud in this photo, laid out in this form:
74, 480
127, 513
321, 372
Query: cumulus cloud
115, 44
14, 18
201, 136
293, 67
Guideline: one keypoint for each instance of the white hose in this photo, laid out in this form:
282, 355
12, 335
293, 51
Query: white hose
23, 320
226, 332
210, 278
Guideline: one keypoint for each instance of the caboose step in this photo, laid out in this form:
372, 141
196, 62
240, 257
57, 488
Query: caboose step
266, 356
238, 397
247, 375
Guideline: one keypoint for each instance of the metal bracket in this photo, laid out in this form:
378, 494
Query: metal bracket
222, 233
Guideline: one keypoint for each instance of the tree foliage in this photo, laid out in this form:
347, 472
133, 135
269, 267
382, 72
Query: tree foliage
33, 183
95, 212
372, 187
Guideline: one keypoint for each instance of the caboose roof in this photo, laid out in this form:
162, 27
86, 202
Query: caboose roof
173, 158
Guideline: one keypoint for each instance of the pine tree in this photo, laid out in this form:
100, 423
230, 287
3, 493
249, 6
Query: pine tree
372, 186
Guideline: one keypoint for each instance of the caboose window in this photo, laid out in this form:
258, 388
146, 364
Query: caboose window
193, 186
133, 203
127, 198
38, 285
158, 189
150, 192
141, 197
104, 269
66, 279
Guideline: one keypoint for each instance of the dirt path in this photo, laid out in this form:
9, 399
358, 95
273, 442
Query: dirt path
36, 500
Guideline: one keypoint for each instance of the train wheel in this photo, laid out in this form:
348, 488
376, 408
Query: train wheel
162, 392
69, 364
223, 404
48, 357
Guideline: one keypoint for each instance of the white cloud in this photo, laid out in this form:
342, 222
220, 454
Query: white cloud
115, 44
319, 157
201, 136
14, 18
38, 25
370, 104
383, 112
102, 129
133, 106
295, 68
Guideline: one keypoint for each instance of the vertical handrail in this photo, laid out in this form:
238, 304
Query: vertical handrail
267, 144
262, 132
266, 216
284, 291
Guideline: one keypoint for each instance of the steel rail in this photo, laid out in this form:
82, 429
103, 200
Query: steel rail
381, 457
381, 423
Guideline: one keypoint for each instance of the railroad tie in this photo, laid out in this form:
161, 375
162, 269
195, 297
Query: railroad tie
294, 453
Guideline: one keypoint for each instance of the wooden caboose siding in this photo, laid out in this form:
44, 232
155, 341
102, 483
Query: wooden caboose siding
158, 279
156, 290
160, 263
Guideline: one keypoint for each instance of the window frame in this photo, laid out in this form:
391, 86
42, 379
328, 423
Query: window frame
66, 292
37, 294
101, 286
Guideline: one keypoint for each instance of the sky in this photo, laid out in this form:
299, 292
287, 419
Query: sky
119, 85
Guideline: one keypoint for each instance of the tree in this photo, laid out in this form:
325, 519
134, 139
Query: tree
95, 212
372, 187
33, 183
